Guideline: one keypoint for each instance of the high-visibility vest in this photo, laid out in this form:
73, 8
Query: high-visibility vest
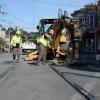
16, 39
44, 41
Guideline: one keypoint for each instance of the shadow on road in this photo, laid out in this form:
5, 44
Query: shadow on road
31, 63
84, 66
7, 62
89, 67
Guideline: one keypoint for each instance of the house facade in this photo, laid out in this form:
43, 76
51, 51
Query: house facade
89, 22
2, 39
98, 32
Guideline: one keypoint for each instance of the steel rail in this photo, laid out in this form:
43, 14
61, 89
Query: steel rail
81, 90
88, 75
93, 67
78, 74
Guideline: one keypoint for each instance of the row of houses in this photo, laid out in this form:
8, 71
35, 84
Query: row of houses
89, 23
4, 40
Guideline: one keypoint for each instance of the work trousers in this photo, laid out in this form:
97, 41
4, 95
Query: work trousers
16, 53
42, 53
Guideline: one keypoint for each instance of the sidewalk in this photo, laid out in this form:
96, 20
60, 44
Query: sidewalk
5, 64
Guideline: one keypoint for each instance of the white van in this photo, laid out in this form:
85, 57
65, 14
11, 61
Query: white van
28, 47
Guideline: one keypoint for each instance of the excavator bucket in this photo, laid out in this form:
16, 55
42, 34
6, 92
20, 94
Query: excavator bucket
31, 56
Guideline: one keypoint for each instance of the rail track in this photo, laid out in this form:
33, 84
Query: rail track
79, 88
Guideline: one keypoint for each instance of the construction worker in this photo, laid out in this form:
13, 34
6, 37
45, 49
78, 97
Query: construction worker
44, 42
16, 43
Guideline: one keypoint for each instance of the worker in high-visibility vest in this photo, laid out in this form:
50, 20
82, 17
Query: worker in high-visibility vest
16, 44
44, 42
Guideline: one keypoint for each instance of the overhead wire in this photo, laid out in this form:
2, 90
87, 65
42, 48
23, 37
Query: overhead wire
47, 2
5, 25
54, 3
41, 1
5, 21
23, 21
19, 19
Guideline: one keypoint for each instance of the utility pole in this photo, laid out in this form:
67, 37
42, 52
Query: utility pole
2, 10
10, 35
10, 31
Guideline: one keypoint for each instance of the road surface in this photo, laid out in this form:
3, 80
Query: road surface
27, 81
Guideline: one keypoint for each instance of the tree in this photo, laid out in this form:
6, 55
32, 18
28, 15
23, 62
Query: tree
24, 35
2, 42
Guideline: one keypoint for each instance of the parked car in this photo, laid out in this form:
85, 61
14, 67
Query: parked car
28, 47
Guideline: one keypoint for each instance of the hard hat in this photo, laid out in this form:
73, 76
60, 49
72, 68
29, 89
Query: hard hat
51, 31
18, 32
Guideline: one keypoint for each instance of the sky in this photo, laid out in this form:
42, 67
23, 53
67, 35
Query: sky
26, 14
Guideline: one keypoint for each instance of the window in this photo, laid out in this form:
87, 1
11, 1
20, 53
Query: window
91, 21
86, 21
80, 20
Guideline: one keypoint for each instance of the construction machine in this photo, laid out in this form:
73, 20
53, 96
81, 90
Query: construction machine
65, 37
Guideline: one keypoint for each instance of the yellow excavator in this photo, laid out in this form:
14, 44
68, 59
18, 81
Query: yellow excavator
62, 45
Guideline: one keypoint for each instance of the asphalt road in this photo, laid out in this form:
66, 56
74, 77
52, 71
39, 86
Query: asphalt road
27, 81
